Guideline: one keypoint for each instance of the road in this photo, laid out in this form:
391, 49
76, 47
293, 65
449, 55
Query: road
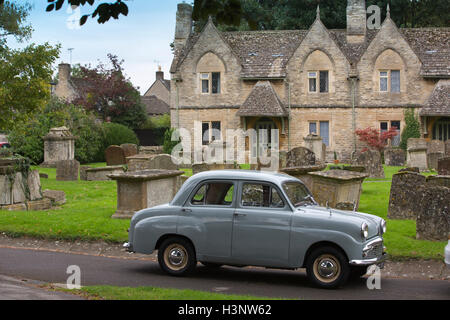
97, 270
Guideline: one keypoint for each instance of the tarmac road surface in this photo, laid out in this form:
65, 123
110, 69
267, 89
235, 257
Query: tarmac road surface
51, 267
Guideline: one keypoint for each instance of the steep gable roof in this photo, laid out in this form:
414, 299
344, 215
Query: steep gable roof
263, 101
265, 54
432, 46
153, 105
438, 102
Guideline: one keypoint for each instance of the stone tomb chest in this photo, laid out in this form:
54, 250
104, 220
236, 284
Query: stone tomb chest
144, 189
340, 188
59, 144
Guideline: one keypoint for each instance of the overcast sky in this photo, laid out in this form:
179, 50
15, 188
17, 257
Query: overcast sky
142, 38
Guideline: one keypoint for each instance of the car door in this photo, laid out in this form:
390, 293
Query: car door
209, 217
261, 226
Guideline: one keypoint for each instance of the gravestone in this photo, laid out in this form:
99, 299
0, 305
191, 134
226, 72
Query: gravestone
433, 160
199, 167
67, 170
371, 160
444, 166
115, 156
394, 157
404, 198
83, 172
129, 149
417, 153
414, 169
440, 181
314, 143
57, 197
447, 148
59, 144
433, 219
436, 146
164, 161
299, 157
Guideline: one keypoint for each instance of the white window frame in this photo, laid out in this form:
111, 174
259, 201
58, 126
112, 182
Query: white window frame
312, 75
207, 76
388, 78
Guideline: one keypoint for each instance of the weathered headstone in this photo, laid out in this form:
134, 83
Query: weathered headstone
300, 156
199, 167
115, 156
433, 219
164, 161
440, 181
83, 173
67, 170
371, 160
394, 157
444, 166
447, 148
436, 146
417, 153
433, 160
314, 143
129, 149
59, 144
404, 198
409, 169
57, 197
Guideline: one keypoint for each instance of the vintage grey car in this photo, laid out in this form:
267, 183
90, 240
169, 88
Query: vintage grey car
252, 218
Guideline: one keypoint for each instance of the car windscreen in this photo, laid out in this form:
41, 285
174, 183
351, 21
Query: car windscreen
298, 194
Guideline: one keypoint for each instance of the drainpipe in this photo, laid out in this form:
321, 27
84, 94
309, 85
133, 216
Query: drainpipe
178, 104
289, 116
353, 80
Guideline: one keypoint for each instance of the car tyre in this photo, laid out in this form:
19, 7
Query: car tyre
358, 271
327, 267
176, 256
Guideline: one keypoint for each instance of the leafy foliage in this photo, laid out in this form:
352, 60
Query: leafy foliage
374, 139
26, 138
12, 19
168, 144
117, 134
105, 91
412, 128
162, 121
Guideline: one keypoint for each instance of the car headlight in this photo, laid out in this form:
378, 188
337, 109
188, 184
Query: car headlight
364, 230
383, 226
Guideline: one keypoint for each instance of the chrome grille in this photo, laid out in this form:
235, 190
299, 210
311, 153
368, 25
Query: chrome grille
376, 250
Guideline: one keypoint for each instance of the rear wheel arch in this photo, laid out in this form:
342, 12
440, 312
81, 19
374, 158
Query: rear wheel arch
172, 235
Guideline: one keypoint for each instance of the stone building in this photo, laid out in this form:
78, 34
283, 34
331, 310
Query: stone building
328, 82
157, 98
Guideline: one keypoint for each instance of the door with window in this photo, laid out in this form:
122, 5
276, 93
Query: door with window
264, 139
212, 206
261, 225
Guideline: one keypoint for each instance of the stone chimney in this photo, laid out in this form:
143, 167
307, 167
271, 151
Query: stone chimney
183, 27
159, 74
64, 72
356, 21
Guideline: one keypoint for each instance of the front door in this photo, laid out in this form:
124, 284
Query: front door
261, 226
264, 138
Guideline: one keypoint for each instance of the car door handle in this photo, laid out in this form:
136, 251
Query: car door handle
237, 214
186, 210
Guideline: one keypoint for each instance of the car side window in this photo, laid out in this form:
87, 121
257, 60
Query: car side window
215, 193
260, 195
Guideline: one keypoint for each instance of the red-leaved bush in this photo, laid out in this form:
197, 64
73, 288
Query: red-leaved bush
374, 139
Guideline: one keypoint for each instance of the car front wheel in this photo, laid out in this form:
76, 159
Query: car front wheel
176, 256
327, 267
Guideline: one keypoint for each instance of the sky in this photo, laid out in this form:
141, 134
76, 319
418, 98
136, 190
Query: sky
142, 39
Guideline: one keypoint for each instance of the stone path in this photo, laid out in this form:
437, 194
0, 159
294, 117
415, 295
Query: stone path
412, 269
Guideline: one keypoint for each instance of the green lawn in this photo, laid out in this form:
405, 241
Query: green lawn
90, 205
152, 293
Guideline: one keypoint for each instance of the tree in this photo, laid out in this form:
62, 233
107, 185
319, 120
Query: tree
105, 91
24, 73
374, 139
412, 128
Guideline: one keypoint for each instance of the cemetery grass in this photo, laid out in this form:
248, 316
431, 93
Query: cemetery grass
90, 205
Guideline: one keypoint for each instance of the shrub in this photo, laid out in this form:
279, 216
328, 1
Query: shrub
412, 128
168, 143
27, 138
115, 134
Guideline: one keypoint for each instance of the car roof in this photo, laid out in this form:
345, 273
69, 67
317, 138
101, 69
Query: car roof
263, 176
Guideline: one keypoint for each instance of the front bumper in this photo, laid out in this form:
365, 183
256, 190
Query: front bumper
128, 247
374, 253
368, 262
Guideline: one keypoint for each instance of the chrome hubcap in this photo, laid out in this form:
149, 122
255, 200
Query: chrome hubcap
176, 256
327, 268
